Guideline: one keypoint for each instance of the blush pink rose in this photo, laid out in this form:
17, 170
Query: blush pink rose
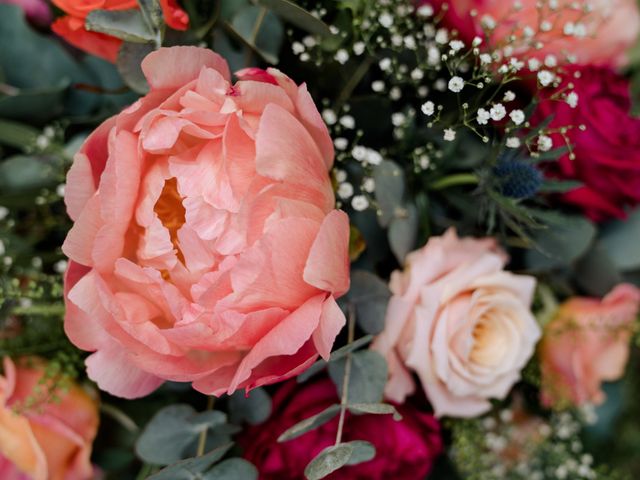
206, 247
586, 344
459, 321
49, 441
601, 37
405, 449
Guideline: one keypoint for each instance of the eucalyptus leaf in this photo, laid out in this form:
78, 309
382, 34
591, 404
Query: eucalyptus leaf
370, 296
362, 452
335, 355
191, 468
561, 244
127, 25
309, 424
298, 16
253, 407
152, 14
130, 57
389, 180
259, 29
25, 173
403, 232
328, 461
168, 435
621, 240
596, 272
559, 186
375, 409
232, 469
367, 378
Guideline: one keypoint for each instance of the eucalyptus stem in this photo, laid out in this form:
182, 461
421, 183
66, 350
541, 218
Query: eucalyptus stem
119, 416
202, 441
347, 374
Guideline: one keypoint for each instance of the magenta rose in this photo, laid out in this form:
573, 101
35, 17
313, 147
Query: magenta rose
406, 449
607, 152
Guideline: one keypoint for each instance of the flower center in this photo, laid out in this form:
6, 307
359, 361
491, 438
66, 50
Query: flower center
490, 342
171, 212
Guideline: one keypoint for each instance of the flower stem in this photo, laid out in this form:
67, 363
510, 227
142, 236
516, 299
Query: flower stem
347, 374
202, 441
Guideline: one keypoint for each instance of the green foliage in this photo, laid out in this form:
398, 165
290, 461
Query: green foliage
369, 295
253, 407
367, 378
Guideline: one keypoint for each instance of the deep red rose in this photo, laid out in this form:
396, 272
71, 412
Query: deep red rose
406, 449
607, 152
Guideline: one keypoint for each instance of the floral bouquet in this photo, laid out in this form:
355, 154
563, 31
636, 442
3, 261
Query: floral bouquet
341, 239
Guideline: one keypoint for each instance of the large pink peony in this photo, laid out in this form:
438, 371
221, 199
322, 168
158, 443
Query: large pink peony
206, 247
460, 322
49, 440
586, 343
596, 32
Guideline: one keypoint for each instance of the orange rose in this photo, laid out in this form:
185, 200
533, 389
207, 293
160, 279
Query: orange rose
585, 344
72, 29
50, 442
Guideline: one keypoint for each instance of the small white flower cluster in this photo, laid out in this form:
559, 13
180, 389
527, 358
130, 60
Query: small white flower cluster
531, 448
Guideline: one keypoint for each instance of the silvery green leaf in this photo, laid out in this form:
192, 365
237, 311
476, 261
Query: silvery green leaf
370, 296
253, 408
130, 57
367, 378
310, 423
127, 25
389, 179
191, 468
362, 452
403, 232
375, 409
328, 461
621, 240
232, 469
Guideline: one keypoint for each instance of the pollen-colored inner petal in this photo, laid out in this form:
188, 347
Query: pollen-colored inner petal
490, 342
171, 212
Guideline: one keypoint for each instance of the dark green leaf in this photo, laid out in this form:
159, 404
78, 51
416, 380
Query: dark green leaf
17, 134
298, 16
389, 180
260, 30
130, 57
232, 469
191, 468
253, 408
559, 186
310, 423
127, 25
367, 378
362, 452
328, 461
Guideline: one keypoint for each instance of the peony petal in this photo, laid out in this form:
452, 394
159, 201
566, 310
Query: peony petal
176, 66
331, 322
327, 267
112, 369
